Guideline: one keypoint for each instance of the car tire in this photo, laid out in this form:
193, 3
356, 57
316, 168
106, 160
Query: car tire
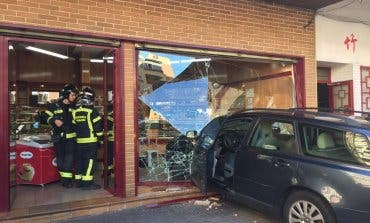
304, 206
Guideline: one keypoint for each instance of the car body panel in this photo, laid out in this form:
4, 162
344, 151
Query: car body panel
201, 162
263, 177
261, 174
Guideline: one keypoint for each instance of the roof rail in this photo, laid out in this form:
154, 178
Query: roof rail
321, 111
262, 109
365, 115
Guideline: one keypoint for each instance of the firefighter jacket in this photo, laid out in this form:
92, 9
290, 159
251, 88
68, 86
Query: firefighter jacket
110, 125
88, 124
61, 111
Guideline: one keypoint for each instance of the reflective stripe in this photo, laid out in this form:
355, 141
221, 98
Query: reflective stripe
88, 176
96, 119
49, 113
99, 133
49, 119
110, 167
58, 111
65, 174
78, 177
87, 140
70, 135
92, 138
110, 118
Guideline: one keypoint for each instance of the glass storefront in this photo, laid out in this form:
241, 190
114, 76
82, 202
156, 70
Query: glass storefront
179, 94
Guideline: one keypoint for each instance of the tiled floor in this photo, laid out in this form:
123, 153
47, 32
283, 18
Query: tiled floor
25, 196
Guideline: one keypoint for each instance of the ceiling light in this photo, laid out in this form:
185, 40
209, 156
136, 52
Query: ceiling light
96, 61
100, 61
61, 56
11, 47
107, 58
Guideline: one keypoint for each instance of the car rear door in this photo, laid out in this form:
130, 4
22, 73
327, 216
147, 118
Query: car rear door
202, 162
266, 165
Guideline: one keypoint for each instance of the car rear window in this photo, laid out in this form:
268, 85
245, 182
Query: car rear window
334, 144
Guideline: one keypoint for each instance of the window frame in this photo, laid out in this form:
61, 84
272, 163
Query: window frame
294, 151
330, 128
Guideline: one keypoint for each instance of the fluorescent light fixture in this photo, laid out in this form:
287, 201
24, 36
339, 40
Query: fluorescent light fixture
50, 53
96, 61
100, 61
107, 58
11, 47
190, 60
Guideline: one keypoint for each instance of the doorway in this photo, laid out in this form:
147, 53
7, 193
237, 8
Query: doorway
36, 71
323, 96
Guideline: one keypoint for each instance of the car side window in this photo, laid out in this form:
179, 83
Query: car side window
208, 134
233, 131
274, 135
334, 144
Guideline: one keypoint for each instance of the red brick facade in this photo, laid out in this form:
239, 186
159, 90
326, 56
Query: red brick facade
230, 24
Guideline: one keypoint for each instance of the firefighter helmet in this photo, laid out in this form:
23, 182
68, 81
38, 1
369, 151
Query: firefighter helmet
66, 90
86, 96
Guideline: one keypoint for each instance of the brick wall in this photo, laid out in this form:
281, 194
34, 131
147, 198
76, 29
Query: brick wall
233, 24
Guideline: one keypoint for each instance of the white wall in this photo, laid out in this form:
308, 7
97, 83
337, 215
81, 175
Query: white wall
330, 36
357, 88
341, 72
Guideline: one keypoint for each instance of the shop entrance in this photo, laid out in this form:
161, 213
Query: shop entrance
37, 71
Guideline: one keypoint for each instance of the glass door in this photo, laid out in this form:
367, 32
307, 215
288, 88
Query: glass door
342, 95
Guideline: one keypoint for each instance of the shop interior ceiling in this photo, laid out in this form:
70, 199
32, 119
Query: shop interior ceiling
70, 51
222, 70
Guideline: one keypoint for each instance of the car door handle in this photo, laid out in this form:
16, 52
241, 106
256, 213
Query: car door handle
281, 163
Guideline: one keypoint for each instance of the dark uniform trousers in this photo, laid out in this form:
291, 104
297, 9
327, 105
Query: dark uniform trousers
86, 155
63, 138
88, 126
65, 149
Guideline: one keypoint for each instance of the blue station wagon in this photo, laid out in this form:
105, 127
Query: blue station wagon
300, 165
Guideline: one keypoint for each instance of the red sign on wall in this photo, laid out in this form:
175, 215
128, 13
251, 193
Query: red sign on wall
350, 42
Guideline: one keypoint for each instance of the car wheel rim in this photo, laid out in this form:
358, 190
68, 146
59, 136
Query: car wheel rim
305, 212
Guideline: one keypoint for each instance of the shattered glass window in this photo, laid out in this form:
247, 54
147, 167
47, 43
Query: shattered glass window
178, 93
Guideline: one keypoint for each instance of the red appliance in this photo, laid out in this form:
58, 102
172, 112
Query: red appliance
36, 162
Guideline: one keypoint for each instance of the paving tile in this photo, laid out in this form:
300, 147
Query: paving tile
47, 209
80, 213
61, 216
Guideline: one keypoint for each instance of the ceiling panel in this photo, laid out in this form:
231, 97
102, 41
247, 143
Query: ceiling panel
311, 4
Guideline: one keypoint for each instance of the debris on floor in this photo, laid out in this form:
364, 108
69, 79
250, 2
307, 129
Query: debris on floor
211, 203
202, 202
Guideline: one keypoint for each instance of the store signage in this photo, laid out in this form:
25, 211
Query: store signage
13, 156
350, 42
26, 155
54, 162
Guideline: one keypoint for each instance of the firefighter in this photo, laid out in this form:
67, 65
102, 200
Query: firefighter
110, 135
59, 116
88, 126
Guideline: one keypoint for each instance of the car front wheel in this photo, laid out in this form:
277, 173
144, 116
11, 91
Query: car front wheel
306, 207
